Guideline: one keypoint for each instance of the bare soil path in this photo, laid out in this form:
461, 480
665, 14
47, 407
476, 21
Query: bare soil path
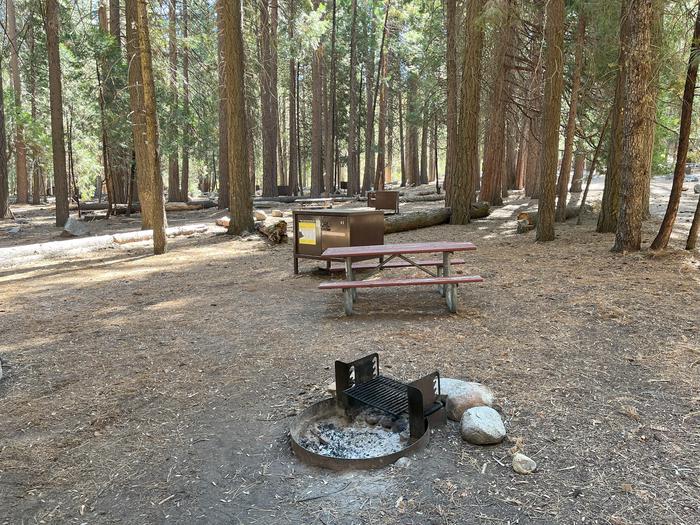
144, 389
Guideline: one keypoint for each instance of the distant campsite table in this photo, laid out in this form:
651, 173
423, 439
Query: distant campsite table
392, 256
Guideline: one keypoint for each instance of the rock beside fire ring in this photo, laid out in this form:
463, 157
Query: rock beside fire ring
463, 395
482, 426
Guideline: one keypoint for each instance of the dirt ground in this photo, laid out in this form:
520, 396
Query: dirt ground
141, 389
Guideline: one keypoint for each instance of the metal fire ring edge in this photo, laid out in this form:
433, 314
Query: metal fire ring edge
329, 407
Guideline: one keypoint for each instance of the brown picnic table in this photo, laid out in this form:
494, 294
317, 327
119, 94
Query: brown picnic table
403, 255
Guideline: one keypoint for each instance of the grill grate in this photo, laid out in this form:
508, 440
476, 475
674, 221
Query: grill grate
383, 393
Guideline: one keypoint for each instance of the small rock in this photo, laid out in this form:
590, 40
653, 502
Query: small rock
259, 215
372, 419
330, 388
405, 435
74, 228
277, 213
386, 421
463, 395
696, 188
403, 462
523, 464
15, 230
482, 426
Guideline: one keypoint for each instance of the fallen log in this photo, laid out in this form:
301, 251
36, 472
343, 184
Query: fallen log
147, 235
432, 197
423, 219
275, 233
120, 209
32, 252
531, 216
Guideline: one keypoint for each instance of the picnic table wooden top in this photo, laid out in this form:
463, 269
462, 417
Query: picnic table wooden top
381, 250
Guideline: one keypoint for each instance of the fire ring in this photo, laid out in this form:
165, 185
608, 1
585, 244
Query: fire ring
329, 408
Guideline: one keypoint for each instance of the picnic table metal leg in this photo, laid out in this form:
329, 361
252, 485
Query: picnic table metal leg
348, 300
449, 289
350, 277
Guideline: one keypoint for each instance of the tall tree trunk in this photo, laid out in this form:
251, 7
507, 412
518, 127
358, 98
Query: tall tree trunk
173, 159
185, 176
382, 125
664, 235
579, 167
402, 142
239, 185
534, 137
20, 147
317, 119
495, 142
412, 151
369, 119
353, 164
268, 96
329, 152
424, 146
563, 183
610, 205
223, 117
56, 101
554, 84
4, 178
522, 155
637, 126
452, 89
293, 129
145, 122
460, 191
37, 177
389, 134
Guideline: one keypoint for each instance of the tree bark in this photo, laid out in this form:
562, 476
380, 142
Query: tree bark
466, 163
20, 146
495, 143
563, 184
223, 117
37, 177
637, 126
268, 96
293, 124
329, 152
412, 152
353, 164
534, 136
241, 203
4, 178
402, 144
382, 125
58, 145
554, 65
452, 88
173, 159
145, 123
369, 116
610, 205
579, 166
317, 118
185, 175
424, 145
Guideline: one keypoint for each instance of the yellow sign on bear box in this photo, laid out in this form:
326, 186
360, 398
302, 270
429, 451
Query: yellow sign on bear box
307, 232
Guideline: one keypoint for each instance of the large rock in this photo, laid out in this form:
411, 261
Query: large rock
482, 426
259, 215
74, 228
462, 395
523, 464
696, 189
277, 213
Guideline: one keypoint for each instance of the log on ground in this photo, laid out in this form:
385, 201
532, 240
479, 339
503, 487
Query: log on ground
424, 219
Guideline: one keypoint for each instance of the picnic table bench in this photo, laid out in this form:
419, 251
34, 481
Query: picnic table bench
400, 256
